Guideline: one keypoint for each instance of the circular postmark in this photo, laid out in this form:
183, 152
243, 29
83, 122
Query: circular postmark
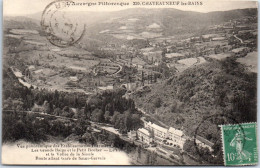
210, 127
62, 29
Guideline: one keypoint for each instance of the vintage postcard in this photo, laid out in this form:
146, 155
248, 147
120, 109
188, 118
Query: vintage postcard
129, 82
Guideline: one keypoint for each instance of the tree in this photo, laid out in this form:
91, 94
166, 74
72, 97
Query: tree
115, 117
57, 111
189, 147
80, 114
11, 104
67, 112
152, 134
127, 120
136, 121
139, 151
89, 138
46, 107
148, 158
87, 110
157, 102
109, 107
97, 115
107, 116
153, 158
81, 126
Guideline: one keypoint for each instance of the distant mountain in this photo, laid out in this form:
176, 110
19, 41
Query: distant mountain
20, 22
139, 21
172, 21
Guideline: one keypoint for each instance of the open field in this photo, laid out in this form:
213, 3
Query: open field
220, 56
185, 63
250, 61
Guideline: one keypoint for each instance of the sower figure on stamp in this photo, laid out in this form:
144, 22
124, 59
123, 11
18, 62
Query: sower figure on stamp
238, 142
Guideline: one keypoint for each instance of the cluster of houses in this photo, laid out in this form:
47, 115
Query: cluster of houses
153, 133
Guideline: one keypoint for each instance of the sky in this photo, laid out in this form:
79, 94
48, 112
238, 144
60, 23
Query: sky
27, 7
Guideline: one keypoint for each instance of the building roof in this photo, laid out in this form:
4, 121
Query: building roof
171, 55
218, 38
157, 127
74, 78
237, 50
153, 53
106, 88
144, 131
205, 141
209, 35
175, 131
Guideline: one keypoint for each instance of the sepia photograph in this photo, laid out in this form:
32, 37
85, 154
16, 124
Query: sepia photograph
92, 82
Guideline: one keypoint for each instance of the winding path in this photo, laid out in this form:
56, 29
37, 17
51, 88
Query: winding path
239, 39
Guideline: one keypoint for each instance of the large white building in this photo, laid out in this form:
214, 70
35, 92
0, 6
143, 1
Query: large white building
158, 131
176, 136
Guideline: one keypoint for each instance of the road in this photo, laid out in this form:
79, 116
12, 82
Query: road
239, 39
120, 67
145, 113
43, 114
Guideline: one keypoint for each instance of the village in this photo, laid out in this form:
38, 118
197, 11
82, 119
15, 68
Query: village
135, 66
235, 38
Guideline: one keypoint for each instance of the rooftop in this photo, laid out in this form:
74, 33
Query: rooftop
171, 55
175, 131
237, 50
205, 141
144, 131
157, 127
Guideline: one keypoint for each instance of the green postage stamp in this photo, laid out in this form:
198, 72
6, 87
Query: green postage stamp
239, 144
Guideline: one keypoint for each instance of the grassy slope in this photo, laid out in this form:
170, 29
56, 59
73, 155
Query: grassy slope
211, 88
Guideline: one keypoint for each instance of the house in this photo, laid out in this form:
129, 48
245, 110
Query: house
196, 39
204, 143
154, 56
130, 86
144, 135
73, 78
241, 27
208, 37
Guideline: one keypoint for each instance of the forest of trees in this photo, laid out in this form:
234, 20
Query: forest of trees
107, 107
32, 128
201, 154
111, 107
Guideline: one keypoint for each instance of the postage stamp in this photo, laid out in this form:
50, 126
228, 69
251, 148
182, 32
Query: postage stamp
239, 144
